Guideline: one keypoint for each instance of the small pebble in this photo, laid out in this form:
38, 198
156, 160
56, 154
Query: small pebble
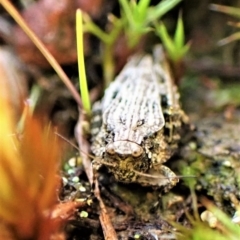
137, 236
236, 217
227, 163
72, 162
83, 214
192, 145
208, 217
70, 171
82, 189
75, 179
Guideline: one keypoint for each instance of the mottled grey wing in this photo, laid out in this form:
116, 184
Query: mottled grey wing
134, 111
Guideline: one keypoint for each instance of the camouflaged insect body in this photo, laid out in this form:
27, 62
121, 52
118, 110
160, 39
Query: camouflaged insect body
135, 128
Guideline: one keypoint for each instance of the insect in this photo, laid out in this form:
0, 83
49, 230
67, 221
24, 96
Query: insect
135, 128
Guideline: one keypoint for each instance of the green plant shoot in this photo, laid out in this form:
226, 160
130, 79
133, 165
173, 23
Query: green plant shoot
139, 17
160, 9
136, 20
175, 46
226, 228
108, 39
81, 65
232, 11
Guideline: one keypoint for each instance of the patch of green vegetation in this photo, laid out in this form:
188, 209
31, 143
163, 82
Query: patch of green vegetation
139, 17
176, 47
136, 20
217, 225
224, 229
228, 94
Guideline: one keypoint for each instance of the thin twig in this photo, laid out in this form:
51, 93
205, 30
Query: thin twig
108, 229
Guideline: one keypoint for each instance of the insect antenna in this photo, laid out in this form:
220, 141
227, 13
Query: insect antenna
96, 160
101, 161
158, 177
73, 145
87, 154
66, 140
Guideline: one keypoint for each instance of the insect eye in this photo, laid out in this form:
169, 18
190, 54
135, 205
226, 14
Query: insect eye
110, 150
140, 122
137, 152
